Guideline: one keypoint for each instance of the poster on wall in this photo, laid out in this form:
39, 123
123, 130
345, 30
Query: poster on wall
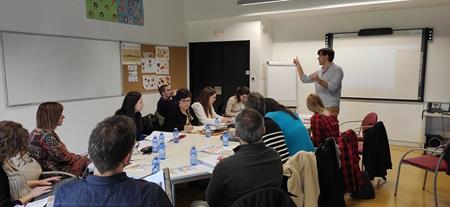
162, 53
162, 67
150, 82
131, 53
105, 10
120, 11
163, 80
132, 74
130, 12
148, 65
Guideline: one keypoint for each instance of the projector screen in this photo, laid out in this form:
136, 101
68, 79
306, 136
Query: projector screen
381, 66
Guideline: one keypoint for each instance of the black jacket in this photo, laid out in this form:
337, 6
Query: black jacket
164, 106
376, 152
331, 181
252, 167
265, 197
176, 119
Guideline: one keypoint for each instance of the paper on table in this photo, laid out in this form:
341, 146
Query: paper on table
138, 171
216, 149
186, 171
38, 203
157, 178
210, 161
167, 135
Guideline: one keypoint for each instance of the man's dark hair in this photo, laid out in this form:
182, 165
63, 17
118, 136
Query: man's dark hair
327, 51
111, 141
256, 101
162, 88
250, 126
182, 93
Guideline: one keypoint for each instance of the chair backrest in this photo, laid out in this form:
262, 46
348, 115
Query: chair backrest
264, 197
369, 121
446, 157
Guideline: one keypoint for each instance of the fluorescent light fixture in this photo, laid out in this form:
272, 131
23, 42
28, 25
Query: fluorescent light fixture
333, 6
255, 2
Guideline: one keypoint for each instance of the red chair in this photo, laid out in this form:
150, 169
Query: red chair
369, 120
428, 163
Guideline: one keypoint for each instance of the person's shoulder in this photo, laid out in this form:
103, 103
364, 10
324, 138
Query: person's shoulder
196, 104
271, 125
337, 67
69, 187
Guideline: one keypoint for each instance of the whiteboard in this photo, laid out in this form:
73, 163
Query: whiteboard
41, 68
282, 82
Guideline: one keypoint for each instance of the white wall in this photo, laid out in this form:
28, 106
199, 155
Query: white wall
163, 24
302, 37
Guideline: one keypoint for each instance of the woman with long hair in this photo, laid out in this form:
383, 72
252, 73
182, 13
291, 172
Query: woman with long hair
323, 123
235, 103
295, 133
46, 146
132, 106
204, 109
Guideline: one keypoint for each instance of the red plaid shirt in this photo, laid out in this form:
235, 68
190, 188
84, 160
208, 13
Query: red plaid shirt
348, 146
323, 127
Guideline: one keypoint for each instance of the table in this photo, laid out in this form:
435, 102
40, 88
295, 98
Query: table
177, 155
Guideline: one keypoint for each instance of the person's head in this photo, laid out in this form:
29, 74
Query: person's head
13, 140
242, 94
111, 143
49, 115
250, 126
207, 97
326, 55
273, 105
315, 104
132, 103
256, 101
165, 91
183, 99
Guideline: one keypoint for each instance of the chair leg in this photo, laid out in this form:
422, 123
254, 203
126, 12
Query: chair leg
425, 180
434, 188
398, 177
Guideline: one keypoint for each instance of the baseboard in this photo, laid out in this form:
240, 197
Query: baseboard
405, 143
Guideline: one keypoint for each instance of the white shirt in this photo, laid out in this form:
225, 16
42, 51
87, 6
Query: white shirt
201, 115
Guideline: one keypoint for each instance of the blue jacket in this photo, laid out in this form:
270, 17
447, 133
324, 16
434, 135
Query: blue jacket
295, 133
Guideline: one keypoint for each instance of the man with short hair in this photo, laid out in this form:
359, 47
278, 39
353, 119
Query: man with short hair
110, 148
165, 102
327, 80
273, 136
253, 165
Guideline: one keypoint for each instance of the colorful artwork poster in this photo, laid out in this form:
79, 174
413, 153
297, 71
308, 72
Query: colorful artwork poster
163, 80
132, 74
105, 10
130, 12
162, 53
150, 82
162, 67
148, 65
131, 53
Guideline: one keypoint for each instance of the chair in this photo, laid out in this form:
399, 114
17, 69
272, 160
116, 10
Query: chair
428, 163
369, 120
264, 197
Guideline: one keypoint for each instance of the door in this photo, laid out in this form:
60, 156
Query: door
221, 65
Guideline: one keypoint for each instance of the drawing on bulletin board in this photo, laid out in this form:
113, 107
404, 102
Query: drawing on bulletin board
162, 67
162, 53
163, 80
147, 55
132, 74
150, 82
131, 54
148, 65
130, 12
105, 10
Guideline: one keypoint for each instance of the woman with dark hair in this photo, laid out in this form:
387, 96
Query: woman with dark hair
132, 106
181, 115
15, 188
204, 109
324, 124
46, 146
295, 133
235, 103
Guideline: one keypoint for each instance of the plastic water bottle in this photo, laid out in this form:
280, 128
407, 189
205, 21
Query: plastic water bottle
155, 165
208, 131
161, 138
193, 156
155, 144
217, 121
225, 138
162, 151
176, 135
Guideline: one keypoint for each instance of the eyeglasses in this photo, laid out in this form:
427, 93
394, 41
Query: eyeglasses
186, 100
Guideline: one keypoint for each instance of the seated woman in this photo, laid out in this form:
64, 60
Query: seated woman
47, 148
323, 123
15, 188
181, 115
204, 109
132, 106
295, 133
235, 103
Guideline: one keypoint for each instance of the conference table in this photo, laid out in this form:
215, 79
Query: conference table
178, 158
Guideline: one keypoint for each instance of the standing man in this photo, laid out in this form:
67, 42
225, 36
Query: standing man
328, 79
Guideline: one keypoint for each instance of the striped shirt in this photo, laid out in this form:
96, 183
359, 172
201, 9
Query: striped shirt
274, 138
18, 186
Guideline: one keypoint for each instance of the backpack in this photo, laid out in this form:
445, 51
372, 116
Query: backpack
366, 190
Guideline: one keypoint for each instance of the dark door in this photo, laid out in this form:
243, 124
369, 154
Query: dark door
221, 65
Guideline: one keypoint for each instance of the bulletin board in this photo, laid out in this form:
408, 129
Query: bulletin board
145, 67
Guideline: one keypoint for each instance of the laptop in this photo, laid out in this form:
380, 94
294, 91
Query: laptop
162, 178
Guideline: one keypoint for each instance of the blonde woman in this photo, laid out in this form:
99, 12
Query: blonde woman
323, 123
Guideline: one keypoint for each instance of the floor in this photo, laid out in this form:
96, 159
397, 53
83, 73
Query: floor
410, 191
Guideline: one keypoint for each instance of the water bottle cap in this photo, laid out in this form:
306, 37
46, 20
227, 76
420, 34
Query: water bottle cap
193, 147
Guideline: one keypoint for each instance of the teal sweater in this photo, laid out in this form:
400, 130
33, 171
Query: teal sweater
295, 133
